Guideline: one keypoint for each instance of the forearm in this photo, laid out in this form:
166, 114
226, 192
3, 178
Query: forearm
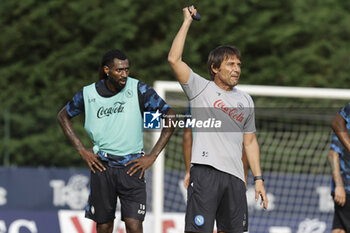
165, 135
67, 127
180, 68
253, 156
337, 179
333, 158
251, 148
177, 47
252, 151
339, 128
245, 165
187, 148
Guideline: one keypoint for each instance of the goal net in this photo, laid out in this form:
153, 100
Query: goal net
293, 131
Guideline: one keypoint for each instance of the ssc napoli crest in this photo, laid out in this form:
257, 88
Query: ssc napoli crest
128, 93
199, 220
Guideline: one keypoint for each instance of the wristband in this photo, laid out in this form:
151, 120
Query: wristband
258, 178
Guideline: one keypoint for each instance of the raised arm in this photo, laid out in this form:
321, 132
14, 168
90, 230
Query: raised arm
251, 148
87, 154
180, 68
339, 128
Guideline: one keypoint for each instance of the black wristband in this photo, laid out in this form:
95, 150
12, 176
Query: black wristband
258, 178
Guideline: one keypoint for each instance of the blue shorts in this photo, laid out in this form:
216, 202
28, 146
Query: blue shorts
107, 185
341, 219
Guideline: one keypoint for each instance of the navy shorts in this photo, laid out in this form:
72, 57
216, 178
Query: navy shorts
215, 195
107, 185
341, 219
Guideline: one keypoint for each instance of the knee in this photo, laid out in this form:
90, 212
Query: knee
104, 227
133, 226
338, 231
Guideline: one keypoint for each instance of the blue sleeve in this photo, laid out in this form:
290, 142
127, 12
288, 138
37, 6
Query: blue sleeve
336, 145
150, 101
345, 113
76, 105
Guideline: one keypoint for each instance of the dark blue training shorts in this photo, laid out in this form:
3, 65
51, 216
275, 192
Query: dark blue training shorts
215, 195
107, 185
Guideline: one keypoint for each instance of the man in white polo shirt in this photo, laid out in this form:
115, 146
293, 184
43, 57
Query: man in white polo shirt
217, 188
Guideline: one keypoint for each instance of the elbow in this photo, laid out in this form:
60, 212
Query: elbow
338, 123
62, 114
331, 155
59, 116
171, 118
187, 137
172, 60
334, 124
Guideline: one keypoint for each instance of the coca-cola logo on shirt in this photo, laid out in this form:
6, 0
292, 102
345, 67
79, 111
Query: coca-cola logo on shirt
117, 107
234, 113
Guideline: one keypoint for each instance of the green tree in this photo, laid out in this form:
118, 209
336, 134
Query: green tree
51, 49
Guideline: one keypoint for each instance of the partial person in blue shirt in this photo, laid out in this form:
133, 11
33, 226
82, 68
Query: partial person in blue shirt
339, 157
114, 108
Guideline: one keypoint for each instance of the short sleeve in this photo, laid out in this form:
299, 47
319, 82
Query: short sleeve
150, 101
249, 125
195, 85
336, 145
76, 105
345, 113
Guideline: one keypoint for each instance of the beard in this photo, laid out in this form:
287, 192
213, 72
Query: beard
117, 85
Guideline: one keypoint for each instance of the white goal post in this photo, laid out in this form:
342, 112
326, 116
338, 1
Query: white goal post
161, 87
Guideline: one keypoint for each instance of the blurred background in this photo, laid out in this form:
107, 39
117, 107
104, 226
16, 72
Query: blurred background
51, 49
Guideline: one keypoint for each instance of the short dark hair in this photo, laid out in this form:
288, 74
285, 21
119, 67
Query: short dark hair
107, 60
219, 54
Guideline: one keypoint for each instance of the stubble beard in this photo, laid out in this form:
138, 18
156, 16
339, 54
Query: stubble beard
116, 85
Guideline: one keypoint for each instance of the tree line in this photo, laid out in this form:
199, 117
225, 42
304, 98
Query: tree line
51, 49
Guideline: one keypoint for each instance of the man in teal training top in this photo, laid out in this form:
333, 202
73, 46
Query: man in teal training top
114, 109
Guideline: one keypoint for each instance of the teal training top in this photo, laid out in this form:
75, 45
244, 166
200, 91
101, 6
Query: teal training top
114, 124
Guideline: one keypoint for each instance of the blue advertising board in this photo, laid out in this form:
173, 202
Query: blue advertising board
52, 200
